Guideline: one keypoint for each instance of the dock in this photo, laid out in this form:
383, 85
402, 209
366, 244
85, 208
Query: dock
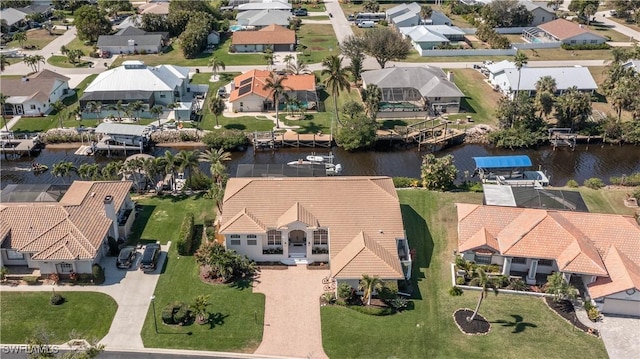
562, 137
19, 147
434, 132
272, 140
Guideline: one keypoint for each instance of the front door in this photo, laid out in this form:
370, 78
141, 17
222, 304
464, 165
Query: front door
297, 238
19, 110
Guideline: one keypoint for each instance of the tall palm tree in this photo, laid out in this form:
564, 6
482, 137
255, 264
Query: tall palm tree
3, 102
188, 160
288, 58
156, 111
216, 159
57, 107
336, 79
485, 283
88, 171
136, 107
546, 83
151, 167
368, 284
217, 106
20, 37
113, 170
545, 98
171, 165
216, 64
371, 96
119, 108
3, 62
297, 68
63, 169
37, 59
519, 60
268, 57
134, 167
425, 12
274, 83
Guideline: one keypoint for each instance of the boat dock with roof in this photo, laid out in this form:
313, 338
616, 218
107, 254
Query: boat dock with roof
510, 171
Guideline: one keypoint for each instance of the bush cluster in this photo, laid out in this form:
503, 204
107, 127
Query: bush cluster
227, 139
176, 313
573, 184
98, 274
185, 238
455, 292
632, 180
56, 299
183, 135
593, 183
404, 182
603, 46
199, 181
30, 280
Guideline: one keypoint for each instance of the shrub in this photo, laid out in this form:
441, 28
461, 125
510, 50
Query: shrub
328, 297
602, 46
167, 315
460, 281
176, 313
517, 284
404, 182
199, 181
573, 184
631, 180
455, 292
113, 246
594, 314
30, 280
593, 183
227, 139
182, 315
3, 273
56, 299
387, 294
376, 311
383, 23
98, 274
399, 303
344, 291
636, 194
185, 238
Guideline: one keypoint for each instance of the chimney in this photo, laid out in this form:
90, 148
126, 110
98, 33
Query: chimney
110, 212
450, 76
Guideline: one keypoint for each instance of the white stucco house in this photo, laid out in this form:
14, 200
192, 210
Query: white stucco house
68, 235
352, 223
509, 80
570, 33
33, 95
601, 251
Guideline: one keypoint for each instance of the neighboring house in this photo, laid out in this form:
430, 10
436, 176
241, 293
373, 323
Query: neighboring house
354, 223
565, 77
248, 92
541, 12
134, 81
130, 21
14, 18
437, 18
159, 8
276, 37
272, 5
213, 38
413, 89
263, 18
497, 68
404, 15
33, 95
633, 64
423, 39
132, 40
570, 33
66, 236
600, 250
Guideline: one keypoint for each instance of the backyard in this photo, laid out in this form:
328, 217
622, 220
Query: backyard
236, 312
24, 313
520, 326
480, 100
37, 37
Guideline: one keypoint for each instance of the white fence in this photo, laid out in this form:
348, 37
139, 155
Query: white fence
470, 52
537, 45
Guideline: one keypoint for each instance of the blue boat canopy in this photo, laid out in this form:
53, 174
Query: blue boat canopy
503, 161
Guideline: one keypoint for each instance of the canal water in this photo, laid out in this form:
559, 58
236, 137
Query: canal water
602, 161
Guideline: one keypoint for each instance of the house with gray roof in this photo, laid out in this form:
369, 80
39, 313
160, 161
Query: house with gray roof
271, 5
423, 39
263, 18
633, 64
438, 18
131, 40
509, 81
541, 13
404, 15
423, 89
13, 17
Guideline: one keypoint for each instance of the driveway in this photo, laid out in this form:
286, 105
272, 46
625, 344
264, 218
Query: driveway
131, 289
292, 312
620, 336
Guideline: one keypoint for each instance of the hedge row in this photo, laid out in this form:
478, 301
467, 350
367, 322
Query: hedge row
185, 238
603, 46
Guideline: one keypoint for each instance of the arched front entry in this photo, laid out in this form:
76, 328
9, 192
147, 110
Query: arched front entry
297, 238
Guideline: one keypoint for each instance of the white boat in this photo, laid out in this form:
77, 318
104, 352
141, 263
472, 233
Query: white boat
330, 168
320, 158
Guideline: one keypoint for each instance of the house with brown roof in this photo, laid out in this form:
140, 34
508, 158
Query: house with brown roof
570, 33
33, 95
275, 37
69, 235
249, 94
601, 251
353, 223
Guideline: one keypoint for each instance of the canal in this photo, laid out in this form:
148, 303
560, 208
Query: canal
602, 161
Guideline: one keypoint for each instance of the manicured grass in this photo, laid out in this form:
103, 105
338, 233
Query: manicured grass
76, 43
606, 201
480, 100
37, 37
86, 313
35, 124
61, 61
234, 308
538, 55
521, 327
318, 42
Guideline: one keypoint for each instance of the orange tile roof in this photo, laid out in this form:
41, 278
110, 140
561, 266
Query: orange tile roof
624, 274
258, 81
578, 242
73, 228
565, 29
362, 213
297, 213
270, 35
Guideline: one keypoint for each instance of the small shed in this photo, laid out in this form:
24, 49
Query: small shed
213, 38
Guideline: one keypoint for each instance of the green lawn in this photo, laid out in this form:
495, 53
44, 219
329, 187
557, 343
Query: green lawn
606, 201
23, 313
318, 42
234, 308
37, 37
537, 55
480, 100
61, 61
522, 327
76, 43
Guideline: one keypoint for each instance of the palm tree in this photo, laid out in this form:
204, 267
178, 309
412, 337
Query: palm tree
268, 57
425, 12
150, 166
559, 287
336, 79
274, 83
3, 62
216, 64
57, 107
188, 160
546, 83
371, 96
288, 58
30, 61
3, 102
20, 37
297, 68
216, 158
519, 60
88, 171
368, 284
217, 106
137, 107
119, 108
216, 193
545, 90
589, 11
199, 306
171, 164
63, 169
37, 59
485, 283
156, 111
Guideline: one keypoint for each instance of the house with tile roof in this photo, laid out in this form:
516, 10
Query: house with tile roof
570, 33
33, 95
414, 89
69, 235
353, 223
275, 37
601, 251
248, 92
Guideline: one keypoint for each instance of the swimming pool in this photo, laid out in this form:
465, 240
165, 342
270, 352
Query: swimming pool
235, 28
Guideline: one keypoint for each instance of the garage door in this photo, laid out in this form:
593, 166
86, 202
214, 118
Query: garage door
621, 307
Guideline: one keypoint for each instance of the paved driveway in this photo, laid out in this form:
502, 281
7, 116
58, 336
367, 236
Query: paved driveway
621, 336
292, 312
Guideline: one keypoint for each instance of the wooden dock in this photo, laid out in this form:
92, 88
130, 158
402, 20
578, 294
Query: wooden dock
434, 133
561, 137
17, 147
272, 140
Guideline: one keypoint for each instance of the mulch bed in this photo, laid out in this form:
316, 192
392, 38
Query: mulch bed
565, 309
479, 325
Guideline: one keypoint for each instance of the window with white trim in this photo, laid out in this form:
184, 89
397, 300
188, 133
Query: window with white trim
235, 236
320, 237
13, 254
252, 242
518, 260
235, 242
64, 267
274, 238
251, 236
483, 259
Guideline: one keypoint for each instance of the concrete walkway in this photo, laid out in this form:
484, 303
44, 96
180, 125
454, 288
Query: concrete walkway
604, 17
292, 312
12, 122
131, 289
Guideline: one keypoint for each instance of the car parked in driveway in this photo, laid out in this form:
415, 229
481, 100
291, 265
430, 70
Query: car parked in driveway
150, 256
126, 257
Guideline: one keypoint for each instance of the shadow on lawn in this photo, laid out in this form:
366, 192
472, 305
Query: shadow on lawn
308, 127
235, 126
216, 319
466, 105
243, 283
421, 241
142, 218
518, 324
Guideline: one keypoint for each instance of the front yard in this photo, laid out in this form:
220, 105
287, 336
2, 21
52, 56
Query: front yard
520, 326
37, 37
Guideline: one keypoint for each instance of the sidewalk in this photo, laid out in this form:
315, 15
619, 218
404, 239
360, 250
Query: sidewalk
604, 17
